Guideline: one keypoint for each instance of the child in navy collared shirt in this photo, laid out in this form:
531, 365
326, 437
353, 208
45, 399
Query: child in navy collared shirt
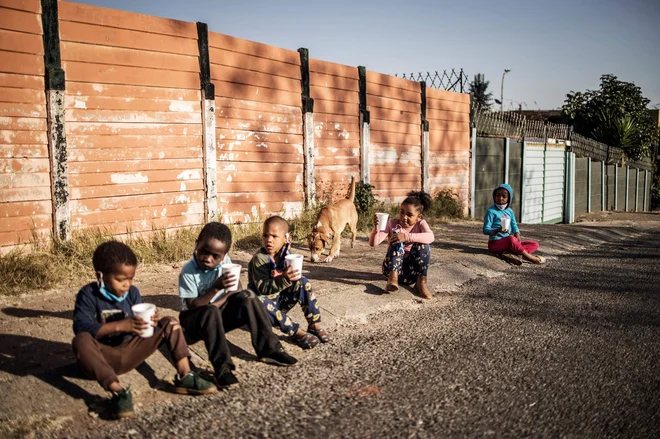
107, 341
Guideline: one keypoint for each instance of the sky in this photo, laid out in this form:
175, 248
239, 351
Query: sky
551, 47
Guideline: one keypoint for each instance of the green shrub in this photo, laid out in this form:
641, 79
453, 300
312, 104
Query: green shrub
446, 205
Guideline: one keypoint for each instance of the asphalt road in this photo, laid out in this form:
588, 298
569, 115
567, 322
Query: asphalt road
570, 349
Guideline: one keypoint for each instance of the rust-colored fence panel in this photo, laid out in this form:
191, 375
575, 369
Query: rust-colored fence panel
25, 194
134, 126
133, 120
258, 129
395, 151
448, 114
335, 90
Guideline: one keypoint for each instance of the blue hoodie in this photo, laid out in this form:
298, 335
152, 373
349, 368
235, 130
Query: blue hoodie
493, 214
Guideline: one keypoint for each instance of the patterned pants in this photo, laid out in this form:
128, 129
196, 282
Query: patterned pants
408, 267
277, 305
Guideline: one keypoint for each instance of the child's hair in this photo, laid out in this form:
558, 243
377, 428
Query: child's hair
110, 254
420, 199
277, 220
217, 231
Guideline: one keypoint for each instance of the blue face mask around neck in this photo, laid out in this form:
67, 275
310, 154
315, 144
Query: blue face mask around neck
107, 293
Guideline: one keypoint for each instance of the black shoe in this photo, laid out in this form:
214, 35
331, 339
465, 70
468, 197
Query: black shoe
122, 404
226, 379
279, 358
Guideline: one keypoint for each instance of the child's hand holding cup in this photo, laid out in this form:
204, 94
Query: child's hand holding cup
506, 223
230, 276
295, 263
145, 312
381, 221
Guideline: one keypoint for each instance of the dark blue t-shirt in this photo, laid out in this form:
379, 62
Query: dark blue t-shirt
92, 310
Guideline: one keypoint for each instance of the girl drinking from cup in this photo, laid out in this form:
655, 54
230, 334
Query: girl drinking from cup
501, 227
409, 237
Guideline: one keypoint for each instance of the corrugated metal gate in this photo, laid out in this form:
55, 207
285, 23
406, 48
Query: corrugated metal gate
543, 182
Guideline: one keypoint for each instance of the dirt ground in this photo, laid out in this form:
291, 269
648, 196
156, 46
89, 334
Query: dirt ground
45, 394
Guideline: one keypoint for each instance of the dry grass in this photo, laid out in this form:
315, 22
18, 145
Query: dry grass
69, 263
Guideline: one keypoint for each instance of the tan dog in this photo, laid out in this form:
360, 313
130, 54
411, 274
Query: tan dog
331, 222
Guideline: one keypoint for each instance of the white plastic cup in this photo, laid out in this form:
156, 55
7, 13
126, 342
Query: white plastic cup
506, 222
382, 220
295, 261
234, 269
145, 311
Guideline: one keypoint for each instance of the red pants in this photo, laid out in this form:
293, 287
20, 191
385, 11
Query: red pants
512, 244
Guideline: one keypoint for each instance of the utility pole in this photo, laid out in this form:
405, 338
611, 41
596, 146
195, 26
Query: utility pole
502, 90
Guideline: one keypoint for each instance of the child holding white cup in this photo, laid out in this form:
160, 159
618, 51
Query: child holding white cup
502, 230
276, 276
409, 238
116, 331
215, 303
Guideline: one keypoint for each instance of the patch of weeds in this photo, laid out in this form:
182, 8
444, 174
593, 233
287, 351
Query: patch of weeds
23, 271
69, 263
246, 236
367, 204
301, 226
446, 206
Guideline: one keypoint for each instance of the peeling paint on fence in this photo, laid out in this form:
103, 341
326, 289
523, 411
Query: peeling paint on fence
146, 150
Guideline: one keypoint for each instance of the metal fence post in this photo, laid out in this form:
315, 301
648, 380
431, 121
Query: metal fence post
603, 188
646, 190
616, 187
627, 183
522, 179
637, 190
473, 170
425, 139
55, 119
309, 183
365, 137
208, 126
588, 184
507, 147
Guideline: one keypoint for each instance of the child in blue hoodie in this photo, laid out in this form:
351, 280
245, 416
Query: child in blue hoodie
506, 240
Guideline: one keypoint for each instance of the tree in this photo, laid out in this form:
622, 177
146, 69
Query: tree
478, 87
615, 114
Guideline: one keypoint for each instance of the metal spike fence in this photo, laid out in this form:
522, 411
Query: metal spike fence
451, 80
511, 124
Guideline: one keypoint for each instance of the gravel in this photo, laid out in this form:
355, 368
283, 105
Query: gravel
569, 349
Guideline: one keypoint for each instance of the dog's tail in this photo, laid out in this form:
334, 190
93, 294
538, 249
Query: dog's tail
351, 193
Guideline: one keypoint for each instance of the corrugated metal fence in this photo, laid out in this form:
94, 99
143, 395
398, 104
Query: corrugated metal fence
554, 178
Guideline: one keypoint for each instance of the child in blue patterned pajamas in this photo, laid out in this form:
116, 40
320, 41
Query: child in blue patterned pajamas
409, 251
280, 288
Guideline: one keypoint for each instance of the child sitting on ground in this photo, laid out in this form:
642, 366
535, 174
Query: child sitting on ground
409, 251
280, 288
506, 240
210, 311
107, 341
